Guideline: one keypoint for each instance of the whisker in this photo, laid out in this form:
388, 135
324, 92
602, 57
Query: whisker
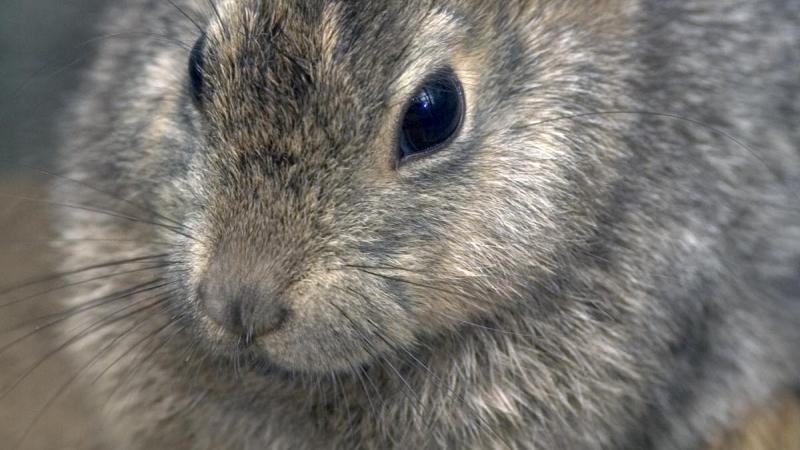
65, 386
63, 316
139, 206
442, 313
57, 276
86, 306
214, 8
413, 283
413, 401
27, 242
146, 338
138, 364
78, 283
360, 375
381, 399
16, 93
95, 326
187, 16
436, 379
91, 209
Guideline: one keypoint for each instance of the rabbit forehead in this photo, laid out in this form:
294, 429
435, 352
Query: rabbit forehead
311, 85
280, 73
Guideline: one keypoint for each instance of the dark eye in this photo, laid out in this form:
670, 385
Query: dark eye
196, 64
433, 116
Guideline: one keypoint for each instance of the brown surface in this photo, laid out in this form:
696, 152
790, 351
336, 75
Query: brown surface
24, 254
772, 428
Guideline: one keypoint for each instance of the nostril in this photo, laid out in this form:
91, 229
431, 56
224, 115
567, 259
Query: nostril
243, 310
213, 303
274, 321
236, 317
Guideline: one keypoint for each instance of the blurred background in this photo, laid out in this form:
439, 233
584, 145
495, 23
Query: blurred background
44, 44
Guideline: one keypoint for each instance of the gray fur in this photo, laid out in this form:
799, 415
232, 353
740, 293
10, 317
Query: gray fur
602, 259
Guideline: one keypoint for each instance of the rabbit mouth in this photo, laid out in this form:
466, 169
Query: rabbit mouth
299, 344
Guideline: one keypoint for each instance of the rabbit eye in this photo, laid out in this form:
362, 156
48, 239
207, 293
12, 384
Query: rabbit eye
196, 63
433, 117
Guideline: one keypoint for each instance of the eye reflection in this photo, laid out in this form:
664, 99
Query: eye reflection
434, 115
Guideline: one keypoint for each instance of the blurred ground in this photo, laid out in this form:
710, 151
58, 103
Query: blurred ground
774, 428
43, 45
24, 255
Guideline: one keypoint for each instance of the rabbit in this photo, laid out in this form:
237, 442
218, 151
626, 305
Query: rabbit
425, 224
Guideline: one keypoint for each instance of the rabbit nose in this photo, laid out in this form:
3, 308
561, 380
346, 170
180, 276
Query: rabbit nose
244, 309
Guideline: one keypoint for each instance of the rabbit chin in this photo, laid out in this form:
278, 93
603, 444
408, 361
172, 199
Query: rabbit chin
314, 351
